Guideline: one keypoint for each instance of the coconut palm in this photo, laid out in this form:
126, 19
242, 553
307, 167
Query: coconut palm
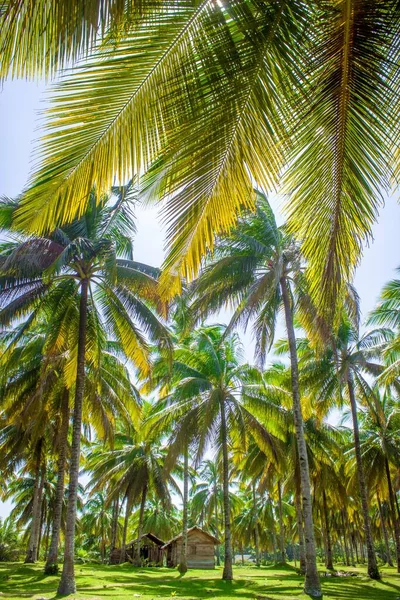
33, 392
257, 269
165, 524
387, 314
189, 83
207, 406
207, 500
134, 469
96, 522
75, 277
9, 540
340, 373
380, 447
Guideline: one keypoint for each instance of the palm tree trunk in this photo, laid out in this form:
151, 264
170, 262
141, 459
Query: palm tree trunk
348, 537
31, 553
384, 532
281, 526
227, 573
346, 546
42, 512
312, 585
394, 515
339, 540
218, 561
372, 568
52, 557
47, 536
182, 567
114, 525
362, 551
299, 517
274, 541
125, 529
140, 525
67, 583
256, 530
329, 558
354, 541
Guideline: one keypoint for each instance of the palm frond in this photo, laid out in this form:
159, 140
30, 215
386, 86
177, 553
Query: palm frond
71, 30
342, 151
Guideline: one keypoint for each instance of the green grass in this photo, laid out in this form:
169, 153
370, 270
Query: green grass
97, 582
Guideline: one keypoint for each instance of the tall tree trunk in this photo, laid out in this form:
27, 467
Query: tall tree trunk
384, 532
347, 526
299, 516
362, 551
216, 516
354, 541
67, 582
339, 540
227, 572
395, 520
346, 546
274, 541
138, 561
42, 512
182, 567
256, 530
329, 557
125, 529
47, 536
52, 557
114, 524
103, 542
281, 525
372, 568
31, 553
312, 585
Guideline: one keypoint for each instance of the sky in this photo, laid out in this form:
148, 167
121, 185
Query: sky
20, 106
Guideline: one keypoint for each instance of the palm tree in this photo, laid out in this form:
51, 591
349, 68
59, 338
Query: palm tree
78, 266
242, 99
134, 469
207, 407
380, 448
206, 500
33, 391
257, 269
387, 314
341, 372
96, 521
9, 540
165, 524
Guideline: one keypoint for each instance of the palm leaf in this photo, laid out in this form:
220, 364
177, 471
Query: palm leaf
37, 38
342, 151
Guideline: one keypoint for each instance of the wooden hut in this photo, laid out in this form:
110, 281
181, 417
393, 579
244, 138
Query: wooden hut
200, 549
150, 551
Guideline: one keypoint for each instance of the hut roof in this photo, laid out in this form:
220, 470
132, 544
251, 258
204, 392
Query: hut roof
150, 536
195, 528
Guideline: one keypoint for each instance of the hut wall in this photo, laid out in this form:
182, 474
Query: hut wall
200, 552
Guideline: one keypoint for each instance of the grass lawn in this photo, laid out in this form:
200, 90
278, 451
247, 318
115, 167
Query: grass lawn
121, 582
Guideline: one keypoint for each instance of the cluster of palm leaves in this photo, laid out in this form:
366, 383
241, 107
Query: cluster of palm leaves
156, 408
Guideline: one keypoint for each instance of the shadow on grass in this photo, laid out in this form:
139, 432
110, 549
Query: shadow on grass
111, 582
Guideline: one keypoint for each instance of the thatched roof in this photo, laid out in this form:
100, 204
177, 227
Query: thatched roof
195, 528
150, 536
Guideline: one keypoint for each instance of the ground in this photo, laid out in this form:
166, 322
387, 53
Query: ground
98, 582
